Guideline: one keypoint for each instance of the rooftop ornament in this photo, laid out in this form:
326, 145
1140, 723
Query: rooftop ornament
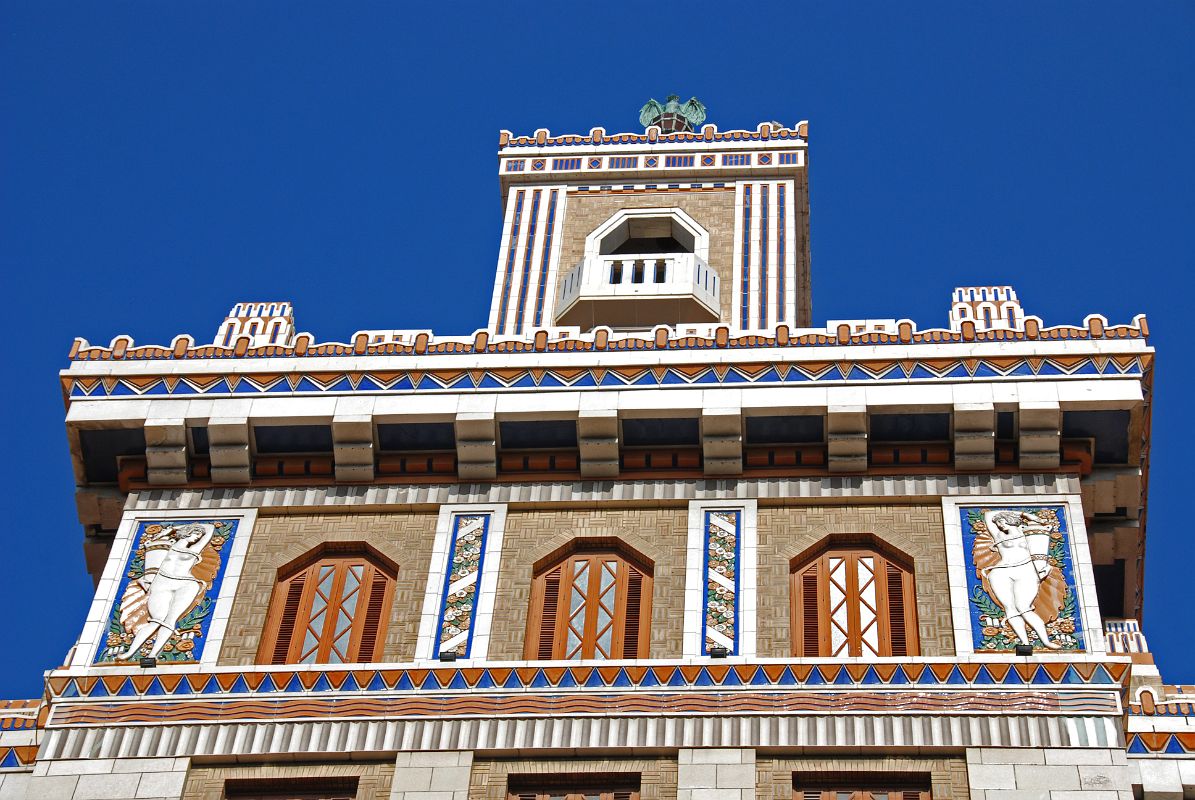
672, 117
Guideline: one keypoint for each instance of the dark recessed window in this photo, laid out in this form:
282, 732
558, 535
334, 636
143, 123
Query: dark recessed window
1110, 429
802, 429
417, 436
291, 788
199, 443
281, 439
1109, 588
101, 449
910, 427
553, 434
662, 432
1005, 427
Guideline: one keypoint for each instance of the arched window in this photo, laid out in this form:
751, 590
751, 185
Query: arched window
853, 600
329, 607
590, 603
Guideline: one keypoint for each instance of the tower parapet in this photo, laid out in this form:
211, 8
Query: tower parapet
264, 324
991, 308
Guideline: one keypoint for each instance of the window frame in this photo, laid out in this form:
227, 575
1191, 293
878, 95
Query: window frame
886, 562
289, 616
545, 582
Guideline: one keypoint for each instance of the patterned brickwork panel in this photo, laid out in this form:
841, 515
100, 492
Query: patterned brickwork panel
1021, 578
168, 591
720, 611
458, 605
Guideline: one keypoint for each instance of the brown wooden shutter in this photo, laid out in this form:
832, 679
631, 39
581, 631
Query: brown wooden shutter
630, 630
811, 628
288, 619
373, 617
547, 622
898, 633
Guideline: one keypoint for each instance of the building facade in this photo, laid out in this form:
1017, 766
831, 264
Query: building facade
650, 533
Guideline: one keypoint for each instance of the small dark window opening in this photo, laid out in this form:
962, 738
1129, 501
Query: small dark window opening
1110, 429
1006, 426
291, 788
417, 436
798, 429
1109, 588
101, 448
910, 427
661, 271
553, 434
637, 272
616, 272
199, 441
661, 432
283, 439
648, 245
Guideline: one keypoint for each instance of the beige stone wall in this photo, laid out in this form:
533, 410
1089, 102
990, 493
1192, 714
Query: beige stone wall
406, 539
374, 778
948, 776
713, 210
489, 780
914, 530
660, 534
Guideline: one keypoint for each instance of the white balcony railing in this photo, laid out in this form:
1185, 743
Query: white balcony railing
659, 277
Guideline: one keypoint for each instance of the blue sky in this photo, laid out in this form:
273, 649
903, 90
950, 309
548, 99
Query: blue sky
159, 162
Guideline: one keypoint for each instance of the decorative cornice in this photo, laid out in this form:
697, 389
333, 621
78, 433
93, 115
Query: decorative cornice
709, 133
564, 734
123, 685
601, 340
591, 377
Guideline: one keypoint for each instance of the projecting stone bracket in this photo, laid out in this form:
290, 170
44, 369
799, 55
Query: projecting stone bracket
1040, 435
722, 440
228, 449
597, 439
846, 437
974, 436
352, 447
476, 445
166, 451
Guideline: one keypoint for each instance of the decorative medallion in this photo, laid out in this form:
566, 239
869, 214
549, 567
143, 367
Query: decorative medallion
168, 591
720, 606
458, 607
1021, 581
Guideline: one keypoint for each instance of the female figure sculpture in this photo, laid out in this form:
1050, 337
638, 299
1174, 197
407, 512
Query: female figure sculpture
1020, 541
171, 586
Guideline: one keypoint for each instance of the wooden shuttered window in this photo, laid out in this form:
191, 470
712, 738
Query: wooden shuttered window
592, 604
332, 611
853, 602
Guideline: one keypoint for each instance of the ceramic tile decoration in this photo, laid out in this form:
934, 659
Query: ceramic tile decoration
720, 617
1020, 578
168, 591
466, 558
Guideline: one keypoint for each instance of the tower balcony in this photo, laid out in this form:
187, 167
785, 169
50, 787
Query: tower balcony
638, 291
